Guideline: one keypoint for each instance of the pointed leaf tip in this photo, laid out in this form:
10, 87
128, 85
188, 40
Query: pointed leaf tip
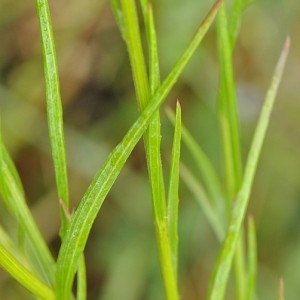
285, 51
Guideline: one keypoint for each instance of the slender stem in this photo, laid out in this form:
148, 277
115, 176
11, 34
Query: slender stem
230, 137
54, 107
224, 260
152, 136
77, 234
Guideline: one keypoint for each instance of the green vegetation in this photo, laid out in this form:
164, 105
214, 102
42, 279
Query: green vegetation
110, 233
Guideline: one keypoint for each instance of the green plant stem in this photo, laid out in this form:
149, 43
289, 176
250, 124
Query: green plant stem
230, 135
81, 280
228, 110
239, 268
210, 177
76, 237
54, 108
210, 196
223, 263
135, 51
14, 199
152, 135
173, 197
55, 126
140, 78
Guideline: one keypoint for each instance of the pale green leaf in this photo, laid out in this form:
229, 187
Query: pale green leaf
54, 107
25, 277
223, 263
81, 224
14, 200
173, 197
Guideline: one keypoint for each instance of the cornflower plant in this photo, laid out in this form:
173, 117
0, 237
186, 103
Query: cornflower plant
224, 203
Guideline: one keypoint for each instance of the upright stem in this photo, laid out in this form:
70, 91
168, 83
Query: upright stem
229, 125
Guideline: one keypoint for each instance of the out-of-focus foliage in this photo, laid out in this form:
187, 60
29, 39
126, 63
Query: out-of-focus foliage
99, 107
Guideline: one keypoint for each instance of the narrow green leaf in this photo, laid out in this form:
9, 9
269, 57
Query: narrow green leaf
135, 51
4, 156
81, 273
152, 143
14, 200
173, 197
81, 280
140, 78
229, 125
54, 106
239, 267
223, 264
252, 259
16, 252
77, 234
26, 278
228, 110
153, 134
154, 73
210, 178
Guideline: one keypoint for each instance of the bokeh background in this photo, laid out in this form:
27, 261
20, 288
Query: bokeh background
99, 106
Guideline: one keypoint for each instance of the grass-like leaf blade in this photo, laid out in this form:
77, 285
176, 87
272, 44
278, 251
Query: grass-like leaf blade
54, 107
154, 72
223, 263
77, 234
135, 51
228, 110
229, 127
212, 183
25, 277
55, 123
81, 280
173, 197
167, 254
14, 200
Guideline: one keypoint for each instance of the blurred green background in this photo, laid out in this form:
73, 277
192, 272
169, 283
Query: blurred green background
99, 106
